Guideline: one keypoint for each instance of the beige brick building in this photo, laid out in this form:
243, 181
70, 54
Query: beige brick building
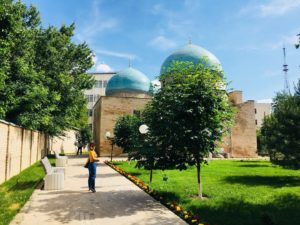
92, 95
241, 141
128, 91
261, 111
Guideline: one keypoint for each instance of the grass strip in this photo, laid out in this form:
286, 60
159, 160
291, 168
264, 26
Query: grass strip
16, 191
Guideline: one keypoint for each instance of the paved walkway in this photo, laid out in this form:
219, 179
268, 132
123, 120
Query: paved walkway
117, 202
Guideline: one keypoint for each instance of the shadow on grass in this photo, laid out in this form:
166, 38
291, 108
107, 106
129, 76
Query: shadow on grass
274, 181
253, 165
282, 210
24, 185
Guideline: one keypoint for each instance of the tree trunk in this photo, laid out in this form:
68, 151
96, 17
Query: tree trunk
151, 175
199, 180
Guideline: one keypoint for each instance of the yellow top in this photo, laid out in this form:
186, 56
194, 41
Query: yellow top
92, 156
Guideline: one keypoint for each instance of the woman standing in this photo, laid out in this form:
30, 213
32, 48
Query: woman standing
92, 167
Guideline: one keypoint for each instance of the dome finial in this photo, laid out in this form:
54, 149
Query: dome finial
190, 41
129, 62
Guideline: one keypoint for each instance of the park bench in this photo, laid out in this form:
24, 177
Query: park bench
55, 176
61, 161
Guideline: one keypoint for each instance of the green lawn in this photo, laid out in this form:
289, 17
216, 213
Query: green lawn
238, 192
15, 192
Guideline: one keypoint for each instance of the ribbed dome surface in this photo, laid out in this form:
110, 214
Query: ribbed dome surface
128, 80
190, 53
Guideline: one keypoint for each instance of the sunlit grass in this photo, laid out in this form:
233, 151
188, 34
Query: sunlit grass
238, 192
15, 192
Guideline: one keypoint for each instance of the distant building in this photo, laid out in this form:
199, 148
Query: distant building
92, 95
129, 90
261, 111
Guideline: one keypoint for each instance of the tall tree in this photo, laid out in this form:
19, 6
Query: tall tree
298, 44
42, 72
280, 132
189, 115
126, 132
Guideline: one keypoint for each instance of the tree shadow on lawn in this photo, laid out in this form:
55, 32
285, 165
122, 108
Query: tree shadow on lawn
282, 210
274, 181
253, 165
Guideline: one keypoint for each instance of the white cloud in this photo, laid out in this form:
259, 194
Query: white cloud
96, 23
268, 100
272, 8
285, 41
180, 23
103, 68
278, 7
162, 43
116, 54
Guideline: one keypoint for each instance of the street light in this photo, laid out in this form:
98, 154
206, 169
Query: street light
111, 139
144, 129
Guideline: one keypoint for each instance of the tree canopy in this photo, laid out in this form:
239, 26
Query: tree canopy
280, 132
189, 115
126, 132
297, 45
42, 72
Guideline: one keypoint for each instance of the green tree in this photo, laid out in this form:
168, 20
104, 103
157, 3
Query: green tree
126, 132
189, 115
298, 44
42, 72
280, 131
18, 78
140, 147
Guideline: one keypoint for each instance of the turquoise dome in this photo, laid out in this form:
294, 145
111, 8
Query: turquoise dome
190, 53
128, 80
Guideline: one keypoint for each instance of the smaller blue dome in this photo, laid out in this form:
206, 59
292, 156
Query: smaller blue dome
190, 53
128, 80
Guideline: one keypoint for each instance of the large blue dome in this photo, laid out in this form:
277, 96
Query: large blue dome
190, 53
128, 80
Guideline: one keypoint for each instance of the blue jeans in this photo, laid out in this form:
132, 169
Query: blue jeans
92, 175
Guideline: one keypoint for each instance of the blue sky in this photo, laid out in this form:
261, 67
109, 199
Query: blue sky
247, 36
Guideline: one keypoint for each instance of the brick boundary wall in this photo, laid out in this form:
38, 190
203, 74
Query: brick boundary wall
20, 148
17, 148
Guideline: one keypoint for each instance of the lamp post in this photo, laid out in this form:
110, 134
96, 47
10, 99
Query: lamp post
111, 139
144, 129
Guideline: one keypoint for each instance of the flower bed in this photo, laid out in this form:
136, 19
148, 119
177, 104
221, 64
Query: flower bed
187, 216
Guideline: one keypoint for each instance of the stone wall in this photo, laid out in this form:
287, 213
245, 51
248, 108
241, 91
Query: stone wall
65, 143
19, 148
106, 112
241, 142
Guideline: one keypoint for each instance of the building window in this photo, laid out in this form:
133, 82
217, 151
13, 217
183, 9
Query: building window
255, 111
90, 126
89, 98
95, 98
98, 84
104, 84
255, 122
90, 112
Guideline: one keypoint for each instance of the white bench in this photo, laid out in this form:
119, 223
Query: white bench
61, 161
55, 176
